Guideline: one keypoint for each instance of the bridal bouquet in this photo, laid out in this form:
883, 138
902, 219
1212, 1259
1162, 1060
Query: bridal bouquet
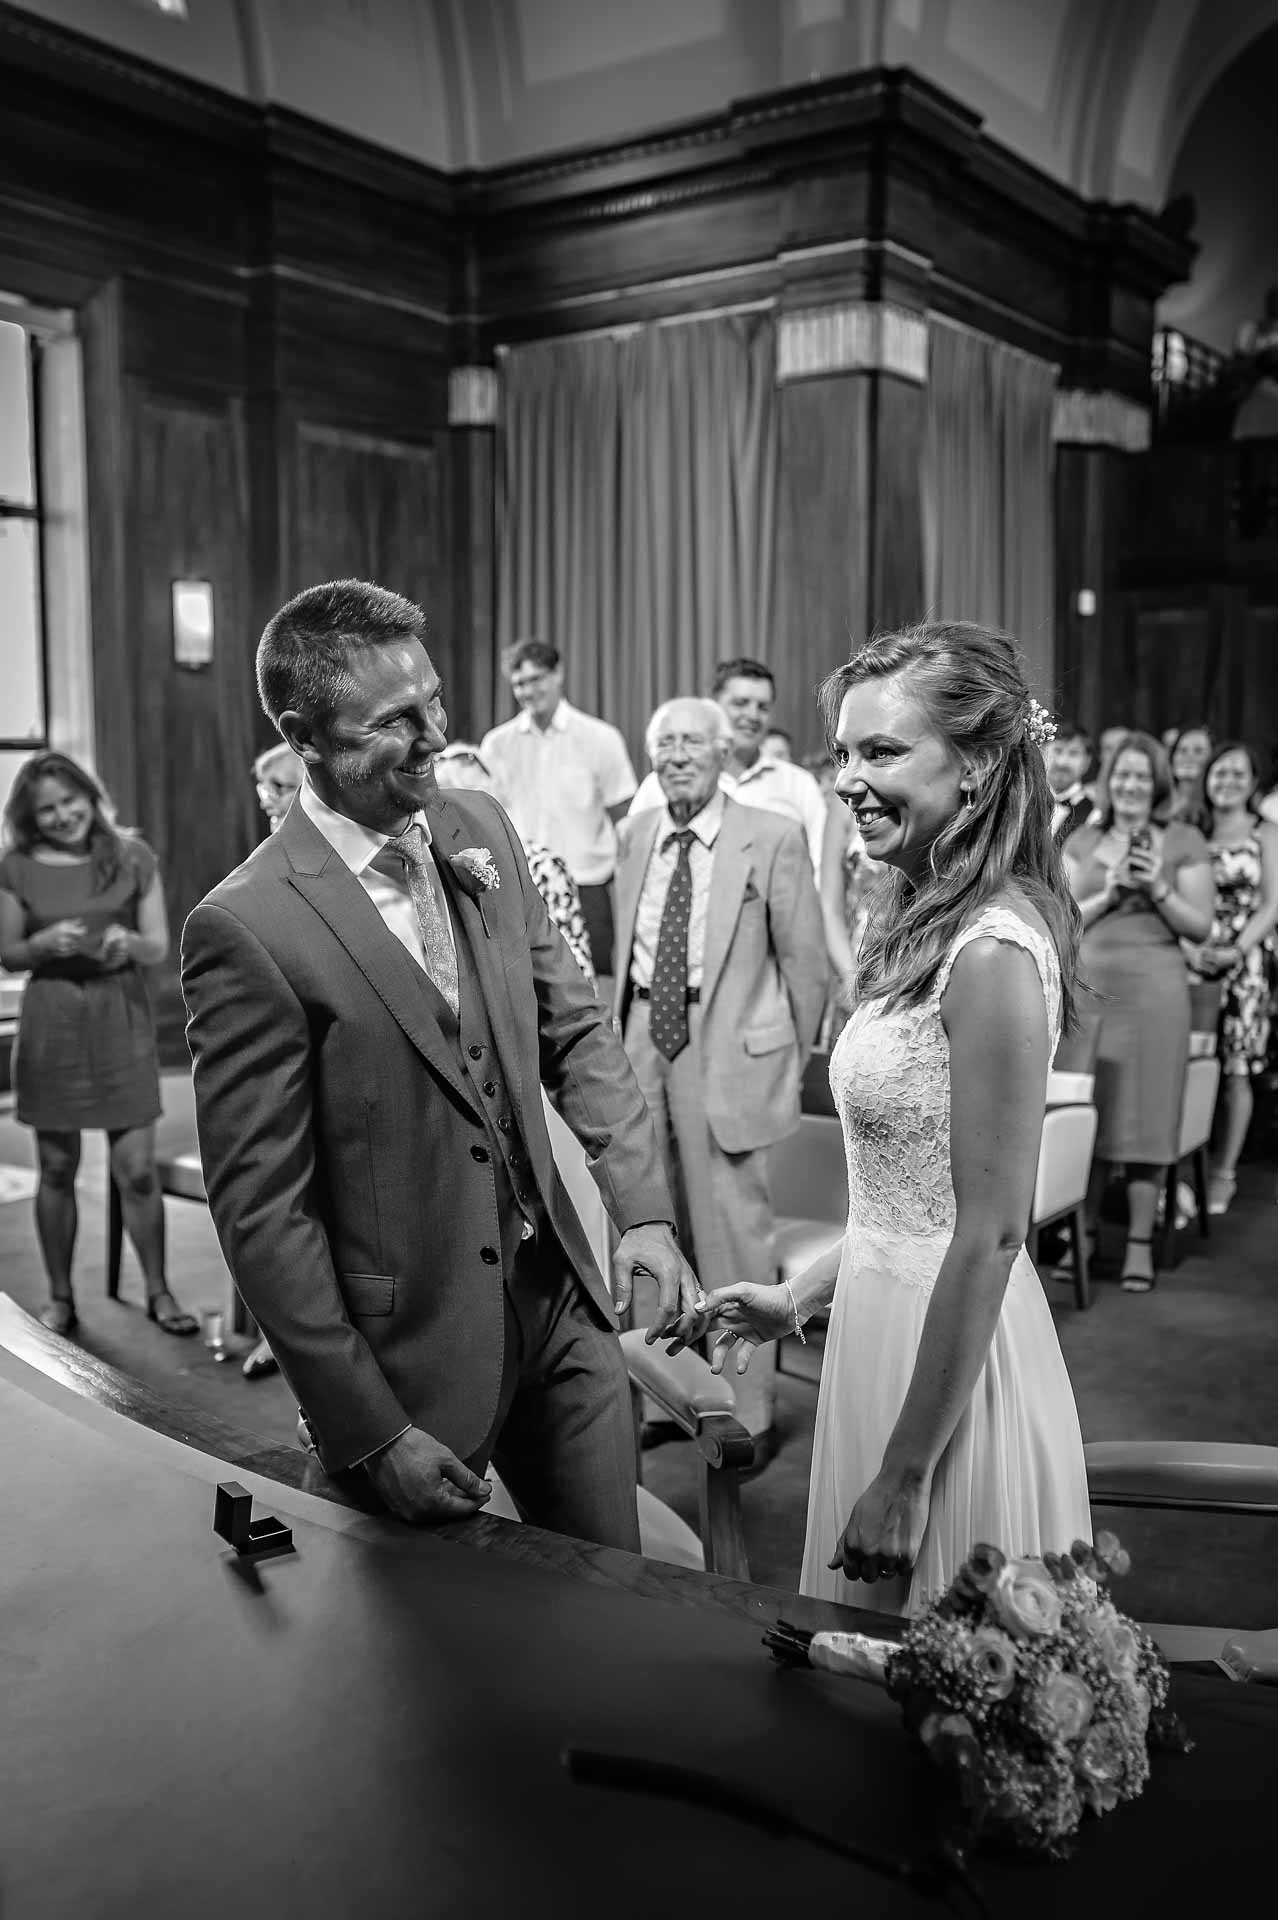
1036, 1697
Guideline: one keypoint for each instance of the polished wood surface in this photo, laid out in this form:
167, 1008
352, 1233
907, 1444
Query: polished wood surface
71, 1368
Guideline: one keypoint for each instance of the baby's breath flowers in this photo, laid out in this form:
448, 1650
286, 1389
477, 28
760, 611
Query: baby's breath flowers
1034, 1695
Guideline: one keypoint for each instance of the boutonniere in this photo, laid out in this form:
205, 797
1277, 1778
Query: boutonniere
476, 874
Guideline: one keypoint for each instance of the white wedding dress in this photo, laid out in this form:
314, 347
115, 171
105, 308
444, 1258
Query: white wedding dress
1013, 1471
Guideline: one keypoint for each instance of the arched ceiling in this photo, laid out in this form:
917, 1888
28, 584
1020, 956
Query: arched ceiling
1096, 94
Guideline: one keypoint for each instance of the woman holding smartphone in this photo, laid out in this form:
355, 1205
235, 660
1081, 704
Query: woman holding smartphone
1142, 887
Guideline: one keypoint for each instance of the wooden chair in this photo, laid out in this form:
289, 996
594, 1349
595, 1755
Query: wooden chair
701, 1405
1197, 1109
1060, 1185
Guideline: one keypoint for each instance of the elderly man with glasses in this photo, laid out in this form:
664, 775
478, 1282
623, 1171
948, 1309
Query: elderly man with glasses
720, 986
566, 779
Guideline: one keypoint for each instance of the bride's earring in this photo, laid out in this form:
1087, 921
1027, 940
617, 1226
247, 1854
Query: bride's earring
969, 797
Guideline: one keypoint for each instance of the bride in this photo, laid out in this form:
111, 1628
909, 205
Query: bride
945, 1414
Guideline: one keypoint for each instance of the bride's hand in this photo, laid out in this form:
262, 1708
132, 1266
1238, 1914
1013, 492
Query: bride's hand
749, 1315
885, 1530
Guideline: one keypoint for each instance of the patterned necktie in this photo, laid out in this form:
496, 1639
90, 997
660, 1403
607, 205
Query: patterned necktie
668, 1004
432, 918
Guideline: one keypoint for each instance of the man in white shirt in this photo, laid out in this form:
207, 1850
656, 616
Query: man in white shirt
721, 980
746, 691
565, 779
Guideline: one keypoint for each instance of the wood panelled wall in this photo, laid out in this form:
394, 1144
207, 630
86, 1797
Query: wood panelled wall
269, 311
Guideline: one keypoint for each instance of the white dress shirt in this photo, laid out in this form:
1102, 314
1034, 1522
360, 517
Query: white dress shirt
558, 784
662, 861
776, 786
357, 846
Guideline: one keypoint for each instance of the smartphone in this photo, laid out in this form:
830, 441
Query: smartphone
1142, 840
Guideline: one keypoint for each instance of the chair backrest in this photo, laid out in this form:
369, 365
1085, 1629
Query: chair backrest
808, 1172
1198, 1104
1069, 1089
574, 1171
1064, 1160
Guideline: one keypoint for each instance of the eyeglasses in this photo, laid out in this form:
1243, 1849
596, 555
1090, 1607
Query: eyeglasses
694, 744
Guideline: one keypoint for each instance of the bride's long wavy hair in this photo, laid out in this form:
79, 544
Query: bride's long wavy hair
969, 681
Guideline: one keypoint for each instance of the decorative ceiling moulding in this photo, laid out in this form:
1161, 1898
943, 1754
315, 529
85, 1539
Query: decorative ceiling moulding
473, 395
861, 336
1085, 419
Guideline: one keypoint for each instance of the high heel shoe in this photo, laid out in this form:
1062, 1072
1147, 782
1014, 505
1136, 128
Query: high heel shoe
170, 1316
1130, 1280
1220, 1191
59, 1316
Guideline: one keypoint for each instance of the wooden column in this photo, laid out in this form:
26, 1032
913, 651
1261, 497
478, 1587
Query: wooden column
852, 394
472, 420
1096, 434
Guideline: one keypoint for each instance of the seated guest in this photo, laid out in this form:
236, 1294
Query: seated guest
1068, 758
82, 909
566, 778
777, 745
1189, 756
746, 691
721, 980
1141, 887
1244, 860
463, 765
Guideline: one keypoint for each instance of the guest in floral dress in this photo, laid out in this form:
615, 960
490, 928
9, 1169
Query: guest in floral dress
1244, 858
462, 765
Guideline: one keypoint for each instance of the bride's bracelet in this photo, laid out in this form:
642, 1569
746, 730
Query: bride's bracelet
798, 1324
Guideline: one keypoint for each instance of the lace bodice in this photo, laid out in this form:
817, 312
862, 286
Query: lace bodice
890, 1076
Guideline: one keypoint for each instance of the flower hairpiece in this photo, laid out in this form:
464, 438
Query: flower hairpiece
1039, 724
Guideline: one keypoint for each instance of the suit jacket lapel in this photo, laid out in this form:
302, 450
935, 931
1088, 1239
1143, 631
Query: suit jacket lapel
727, 886
450, 832
630, 873
326, 882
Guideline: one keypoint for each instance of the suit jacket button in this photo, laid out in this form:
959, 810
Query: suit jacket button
489, 1256
475, 1052
480, 1154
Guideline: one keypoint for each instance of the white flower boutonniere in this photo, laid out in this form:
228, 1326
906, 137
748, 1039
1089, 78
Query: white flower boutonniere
477, 874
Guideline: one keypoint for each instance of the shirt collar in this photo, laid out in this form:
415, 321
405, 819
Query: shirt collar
1071, 797
357, 845
760, 767
558, 719
705, 825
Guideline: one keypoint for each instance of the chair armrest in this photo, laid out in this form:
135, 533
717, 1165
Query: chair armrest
1204, 1476
698, 1401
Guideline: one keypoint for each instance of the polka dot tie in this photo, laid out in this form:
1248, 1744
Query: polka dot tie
668, 1005
437, 941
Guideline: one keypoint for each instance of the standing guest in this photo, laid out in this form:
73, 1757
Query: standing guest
777, 745
746, 691
1107, 746
721, 982
82, 908
1142, 888
1244, 861
1068, 757
368, 1078
463, 765
566, 778
945, 1413
277, 774
847, 876
1191, 750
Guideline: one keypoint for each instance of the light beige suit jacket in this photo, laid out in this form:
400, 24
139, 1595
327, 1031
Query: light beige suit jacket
764, 974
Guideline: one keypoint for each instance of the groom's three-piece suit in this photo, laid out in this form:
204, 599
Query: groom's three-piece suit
379, 1170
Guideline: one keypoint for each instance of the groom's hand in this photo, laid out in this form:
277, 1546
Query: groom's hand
421, 1481
652, 1248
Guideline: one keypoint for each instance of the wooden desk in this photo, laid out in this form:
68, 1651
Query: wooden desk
374, 1724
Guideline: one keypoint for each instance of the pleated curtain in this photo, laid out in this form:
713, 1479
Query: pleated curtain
635, 508
988, 518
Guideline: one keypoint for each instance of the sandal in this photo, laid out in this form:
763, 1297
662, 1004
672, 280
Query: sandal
1220, 1191
1130, 1280
171, 1317
60, 1315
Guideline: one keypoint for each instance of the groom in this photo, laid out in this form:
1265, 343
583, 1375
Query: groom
375, 999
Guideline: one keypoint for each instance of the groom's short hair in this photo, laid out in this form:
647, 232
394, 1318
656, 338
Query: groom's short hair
303, 657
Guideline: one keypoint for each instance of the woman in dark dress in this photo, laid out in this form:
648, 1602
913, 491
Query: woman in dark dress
82, 910
1142, 887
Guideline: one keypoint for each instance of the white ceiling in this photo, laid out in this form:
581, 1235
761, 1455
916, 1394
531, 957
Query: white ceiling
1098, 94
